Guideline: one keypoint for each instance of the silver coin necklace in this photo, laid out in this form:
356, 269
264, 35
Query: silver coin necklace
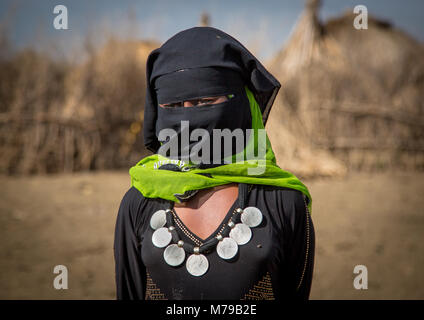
235, 233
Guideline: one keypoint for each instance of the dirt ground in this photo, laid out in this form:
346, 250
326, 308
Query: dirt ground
373, 220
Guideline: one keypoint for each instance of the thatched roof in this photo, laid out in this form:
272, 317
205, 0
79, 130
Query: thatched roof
357, 94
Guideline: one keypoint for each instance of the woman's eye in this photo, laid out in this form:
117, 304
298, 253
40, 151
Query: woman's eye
214, 100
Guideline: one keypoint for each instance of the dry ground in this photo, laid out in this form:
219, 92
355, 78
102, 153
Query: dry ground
374, 220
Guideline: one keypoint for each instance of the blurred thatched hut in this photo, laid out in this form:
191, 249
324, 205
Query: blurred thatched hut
357, 95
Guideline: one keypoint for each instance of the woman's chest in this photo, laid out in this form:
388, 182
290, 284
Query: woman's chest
203, 216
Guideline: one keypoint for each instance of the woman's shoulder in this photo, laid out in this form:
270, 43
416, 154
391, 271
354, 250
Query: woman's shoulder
133, 195
132, 207
132, 200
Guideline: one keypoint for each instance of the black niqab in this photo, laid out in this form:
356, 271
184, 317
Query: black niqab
203, 47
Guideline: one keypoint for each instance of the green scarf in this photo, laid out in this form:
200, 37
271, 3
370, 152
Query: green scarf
164, 184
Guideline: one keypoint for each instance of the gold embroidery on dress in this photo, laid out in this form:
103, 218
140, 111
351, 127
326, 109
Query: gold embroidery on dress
262, 290
152, 291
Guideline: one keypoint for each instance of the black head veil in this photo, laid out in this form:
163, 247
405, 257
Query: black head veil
201, 47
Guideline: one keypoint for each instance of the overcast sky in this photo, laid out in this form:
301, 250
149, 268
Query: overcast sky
262, 26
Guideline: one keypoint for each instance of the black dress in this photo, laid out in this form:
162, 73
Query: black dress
277, 263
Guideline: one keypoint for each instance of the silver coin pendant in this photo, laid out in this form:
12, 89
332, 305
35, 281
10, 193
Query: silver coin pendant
161, 237
197, 265
158, 219
227, 248
251, 217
